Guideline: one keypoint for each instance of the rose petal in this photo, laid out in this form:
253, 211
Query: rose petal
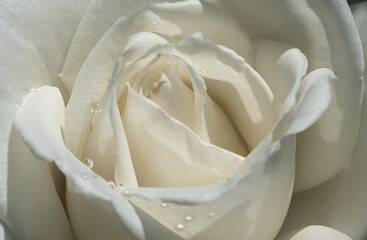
325, 32
253, 113
314, 232
32, 54
345, 194
106, 143
157, 18
91, 86
206, 119
157, 144
40, 122
258, 192
279, 65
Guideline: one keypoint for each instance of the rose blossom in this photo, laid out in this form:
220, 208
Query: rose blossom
233, 145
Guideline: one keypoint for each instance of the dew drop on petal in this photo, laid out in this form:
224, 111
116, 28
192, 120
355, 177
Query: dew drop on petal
164, 205
94, 108
84, 176
179, 226
211, 214
203, 71
89, 162
18, 103
33, 90
155, 23
111, 184
223, 179
188, 218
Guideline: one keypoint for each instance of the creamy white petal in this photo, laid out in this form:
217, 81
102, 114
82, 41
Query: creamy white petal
314, 232
40, 123
106, 143
339, 203
279, 65
250, 107
193, 107
32, 54
259, 191
165, 18
325, 32
166, 153
92, 83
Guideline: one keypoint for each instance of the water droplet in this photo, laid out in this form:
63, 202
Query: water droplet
84, 176
164, 205
136, 199
89, 162
211, 214
95, 108
126, 192
33, 90
192, 233
180, 226
155, 23
189, 218
19, 103
223, 179
203, 71
111, 184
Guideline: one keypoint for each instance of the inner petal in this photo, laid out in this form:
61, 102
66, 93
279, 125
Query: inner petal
178, 100
166, 153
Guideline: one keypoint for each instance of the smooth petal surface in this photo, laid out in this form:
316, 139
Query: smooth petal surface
31, 56
258, 191
225, 73
280, 65
325, 32
167, 153
166, 18
90, 199
345, 194
172, 19
314, 233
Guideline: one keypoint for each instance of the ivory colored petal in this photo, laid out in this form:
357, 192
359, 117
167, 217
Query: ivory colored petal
339, 203
314, 232
101, 15
106, 143
167, 153
93, 80
326, 33
250, 107
259, 191
175, 97
279, 65
44, 111
32, 54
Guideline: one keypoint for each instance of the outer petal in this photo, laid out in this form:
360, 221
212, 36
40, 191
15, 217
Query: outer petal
31, 56
314, 233
340, 202
325, 32
165, 18
90, 199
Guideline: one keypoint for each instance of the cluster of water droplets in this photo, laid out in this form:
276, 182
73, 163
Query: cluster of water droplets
162, 212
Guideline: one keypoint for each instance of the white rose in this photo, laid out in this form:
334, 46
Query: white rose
169, 65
